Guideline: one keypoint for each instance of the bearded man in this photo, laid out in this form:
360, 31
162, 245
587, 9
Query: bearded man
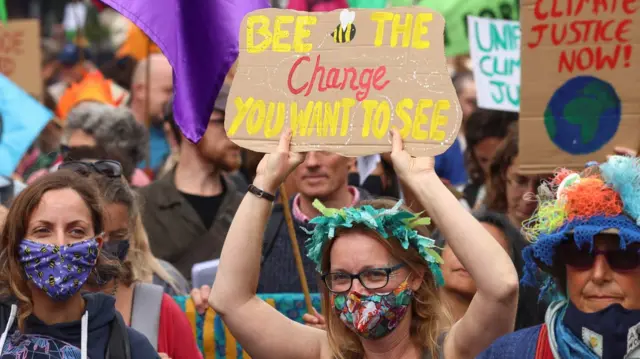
188, 211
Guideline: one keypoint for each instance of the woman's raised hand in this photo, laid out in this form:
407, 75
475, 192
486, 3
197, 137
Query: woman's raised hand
409, 168
276, 166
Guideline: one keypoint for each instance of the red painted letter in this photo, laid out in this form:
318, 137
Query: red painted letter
293, 90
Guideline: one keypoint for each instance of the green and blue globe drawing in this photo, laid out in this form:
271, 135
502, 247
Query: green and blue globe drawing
583, 115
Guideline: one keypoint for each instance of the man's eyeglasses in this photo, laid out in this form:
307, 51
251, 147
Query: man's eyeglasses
107, 168
584, 258
372, 279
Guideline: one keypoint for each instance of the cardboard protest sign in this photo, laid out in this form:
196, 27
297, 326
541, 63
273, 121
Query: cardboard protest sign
340, 80
580, 73
495, 53
20, 56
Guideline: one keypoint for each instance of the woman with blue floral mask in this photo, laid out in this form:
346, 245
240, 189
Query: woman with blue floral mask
379, 269
51, 247
143, 305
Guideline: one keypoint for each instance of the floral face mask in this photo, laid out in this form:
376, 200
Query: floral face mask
373, 316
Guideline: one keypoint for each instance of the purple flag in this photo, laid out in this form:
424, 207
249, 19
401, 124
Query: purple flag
200, 40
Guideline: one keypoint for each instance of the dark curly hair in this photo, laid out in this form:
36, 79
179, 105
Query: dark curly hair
483, 124
496, 199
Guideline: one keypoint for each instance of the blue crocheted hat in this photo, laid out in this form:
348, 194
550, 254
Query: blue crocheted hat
391, 224
578, 206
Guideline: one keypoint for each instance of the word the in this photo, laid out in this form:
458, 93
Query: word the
338, 79
502, 91
410, 31
552, 8
324, 119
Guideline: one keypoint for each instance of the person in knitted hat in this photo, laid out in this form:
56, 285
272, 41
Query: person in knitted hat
585, 237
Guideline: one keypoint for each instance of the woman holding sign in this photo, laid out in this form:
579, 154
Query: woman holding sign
380, 274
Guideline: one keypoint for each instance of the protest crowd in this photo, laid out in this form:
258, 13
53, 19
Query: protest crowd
167, 191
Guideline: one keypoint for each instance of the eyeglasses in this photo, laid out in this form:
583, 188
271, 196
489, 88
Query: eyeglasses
583, 258
107, 168
372, 279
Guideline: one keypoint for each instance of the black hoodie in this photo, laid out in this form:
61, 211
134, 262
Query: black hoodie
63, 340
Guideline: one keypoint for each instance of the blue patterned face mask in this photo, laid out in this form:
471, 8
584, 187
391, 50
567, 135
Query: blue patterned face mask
59, 271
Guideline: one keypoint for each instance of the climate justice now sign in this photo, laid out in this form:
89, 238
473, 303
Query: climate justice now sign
580, 72
342, 80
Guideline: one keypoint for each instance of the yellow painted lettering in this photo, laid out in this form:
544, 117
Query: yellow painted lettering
421, 119
255, 119
331, 116
279, 34
316, 119
381, 120
398, 29
419, 29
347, 104
302, 32
405, 103
272, 129
300, 120
241, 111
380, 17
263, 30
369, 107
438, 120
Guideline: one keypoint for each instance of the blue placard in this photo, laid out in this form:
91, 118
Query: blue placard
22, 118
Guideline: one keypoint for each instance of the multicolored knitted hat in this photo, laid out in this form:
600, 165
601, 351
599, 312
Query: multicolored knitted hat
603, 197
389, 223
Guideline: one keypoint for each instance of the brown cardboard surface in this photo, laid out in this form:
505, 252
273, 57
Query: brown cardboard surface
412, 74
20, 56
545, 69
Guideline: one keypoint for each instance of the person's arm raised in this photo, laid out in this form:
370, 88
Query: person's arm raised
493, 309
261, 330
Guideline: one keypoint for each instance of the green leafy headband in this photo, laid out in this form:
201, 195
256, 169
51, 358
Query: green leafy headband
393, 222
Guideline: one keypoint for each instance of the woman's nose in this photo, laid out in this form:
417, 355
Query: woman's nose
60, 237
601, 270
356, 286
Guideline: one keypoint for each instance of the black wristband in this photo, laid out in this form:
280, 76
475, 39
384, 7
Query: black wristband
261, 194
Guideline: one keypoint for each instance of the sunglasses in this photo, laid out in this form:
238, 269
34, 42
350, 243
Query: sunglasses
107, 168
619, 260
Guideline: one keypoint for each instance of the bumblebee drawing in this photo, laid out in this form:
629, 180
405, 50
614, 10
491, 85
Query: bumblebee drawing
346, 30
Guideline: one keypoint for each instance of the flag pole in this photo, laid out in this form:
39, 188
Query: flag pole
147, 105
296, 249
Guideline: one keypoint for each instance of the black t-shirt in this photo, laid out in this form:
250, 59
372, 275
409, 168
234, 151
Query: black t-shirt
206, 207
